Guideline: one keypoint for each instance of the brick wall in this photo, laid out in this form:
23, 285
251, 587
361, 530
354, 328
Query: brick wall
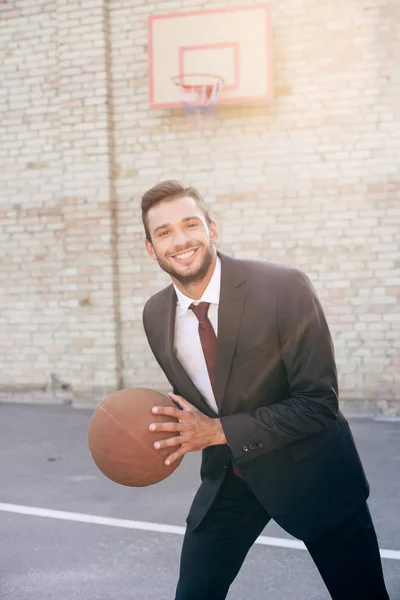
312, 180
56, 253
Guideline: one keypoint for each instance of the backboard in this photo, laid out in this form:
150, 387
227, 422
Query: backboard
234, 44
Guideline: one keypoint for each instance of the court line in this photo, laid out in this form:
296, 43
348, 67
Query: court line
146, 526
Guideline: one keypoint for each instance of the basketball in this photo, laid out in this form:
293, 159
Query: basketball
120, 442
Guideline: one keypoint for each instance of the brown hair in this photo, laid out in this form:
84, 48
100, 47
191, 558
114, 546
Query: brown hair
165, 191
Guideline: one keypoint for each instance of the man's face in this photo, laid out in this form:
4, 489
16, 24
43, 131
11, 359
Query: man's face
181, 240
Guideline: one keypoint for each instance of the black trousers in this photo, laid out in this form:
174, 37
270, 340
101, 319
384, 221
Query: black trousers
347, 557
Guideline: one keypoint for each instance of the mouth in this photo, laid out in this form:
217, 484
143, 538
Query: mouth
185, 257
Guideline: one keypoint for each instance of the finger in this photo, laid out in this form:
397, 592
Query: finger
173, 441
173, 457
166, 427
181, 401
168, 411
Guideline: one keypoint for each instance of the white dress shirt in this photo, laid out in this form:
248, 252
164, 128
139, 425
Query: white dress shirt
187, 343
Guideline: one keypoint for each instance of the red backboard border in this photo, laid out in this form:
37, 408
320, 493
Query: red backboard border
237, 100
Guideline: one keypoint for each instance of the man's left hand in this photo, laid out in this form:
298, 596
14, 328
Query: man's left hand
194, 430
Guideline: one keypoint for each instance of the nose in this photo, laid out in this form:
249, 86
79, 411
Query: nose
180, 237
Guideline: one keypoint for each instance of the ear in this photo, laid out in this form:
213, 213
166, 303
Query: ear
214, 232
150, 249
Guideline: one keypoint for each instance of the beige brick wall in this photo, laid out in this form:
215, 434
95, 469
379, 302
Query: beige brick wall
312, 180
57, 310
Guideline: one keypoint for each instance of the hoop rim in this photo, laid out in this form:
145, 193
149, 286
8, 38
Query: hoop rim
178, 80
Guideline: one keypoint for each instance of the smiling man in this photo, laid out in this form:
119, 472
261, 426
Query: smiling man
247, 350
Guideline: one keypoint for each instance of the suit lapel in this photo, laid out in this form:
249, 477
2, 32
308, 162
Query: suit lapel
232, 300
186, 387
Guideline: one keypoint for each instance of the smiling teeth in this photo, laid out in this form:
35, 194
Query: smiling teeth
185, 255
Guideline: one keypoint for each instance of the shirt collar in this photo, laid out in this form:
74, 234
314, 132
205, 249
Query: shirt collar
211, 293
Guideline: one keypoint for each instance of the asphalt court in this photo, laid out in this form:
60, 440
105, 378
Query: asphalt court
67, 532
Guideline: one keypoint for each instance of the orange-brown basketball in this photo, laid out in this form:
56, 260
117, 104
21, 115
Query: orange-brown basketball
120, 442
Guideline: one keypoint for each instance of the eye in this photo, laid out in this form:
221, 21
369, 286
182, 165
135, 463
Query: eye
192, 225
163, 233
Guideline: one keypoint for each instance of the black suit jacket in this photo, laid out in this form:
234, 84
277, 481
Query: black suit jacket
277, 395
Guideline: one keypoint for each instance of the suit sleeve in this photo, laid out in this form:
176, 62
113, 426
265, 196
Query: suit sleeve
145, 322
307, 353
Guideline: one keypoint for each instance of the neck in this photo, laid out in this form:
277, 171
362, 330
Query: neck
196, 289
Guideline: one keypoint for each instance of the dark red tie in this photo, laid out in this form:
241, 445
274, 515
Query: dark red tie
208, 341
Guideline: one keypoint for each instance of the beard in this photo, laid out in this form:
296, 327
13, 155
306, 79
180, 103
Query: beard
189, 275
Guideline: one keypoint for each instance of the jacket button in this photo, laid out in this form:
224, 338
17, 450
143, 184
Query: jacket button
245, 449
251, 447
260, 445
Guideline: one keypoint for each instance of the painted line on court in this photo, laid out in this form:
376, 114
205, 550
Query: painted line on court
145, 526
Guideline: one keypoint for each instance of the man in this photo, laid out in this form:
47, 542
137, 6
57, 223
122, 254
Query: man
247, 350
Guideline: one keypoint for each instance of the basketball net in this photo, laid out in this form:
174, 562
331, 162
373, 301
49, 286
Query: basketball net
199, 95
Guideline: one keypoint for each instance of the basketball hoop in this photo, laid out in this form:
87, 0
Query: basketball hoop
199, 93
